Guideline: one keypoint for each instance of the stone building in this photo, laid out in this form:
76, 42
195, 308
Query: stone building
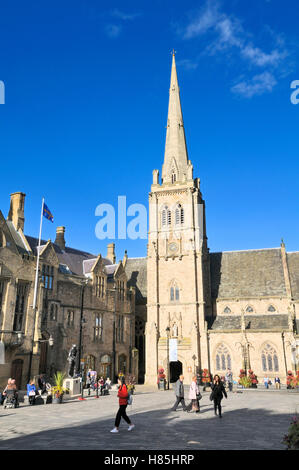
72, 285
234, 310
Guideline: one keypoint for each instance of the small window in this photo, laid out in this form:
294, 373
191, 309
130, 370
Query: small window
249, 309
271, 308
227, 310
172, 293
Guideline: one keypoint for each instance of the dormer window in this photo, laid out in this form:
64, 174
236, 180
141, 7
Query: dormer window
47, 276
271, 308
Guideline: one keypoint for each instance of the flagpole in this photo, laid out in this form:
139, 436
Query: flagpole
37, 261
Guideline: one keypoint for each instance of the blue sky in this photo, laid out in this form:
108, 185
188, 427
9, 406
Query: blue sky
86, 106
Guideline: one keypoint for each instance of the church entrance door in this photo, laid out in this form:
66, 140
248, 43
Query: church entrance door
176, 369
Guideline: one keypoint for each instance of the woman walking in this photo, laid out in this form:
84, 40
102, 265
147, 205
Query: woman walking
218, 391
194, 396
123, 403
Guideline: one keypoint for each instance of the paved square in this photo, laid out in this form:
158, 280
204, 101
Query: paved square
252, 419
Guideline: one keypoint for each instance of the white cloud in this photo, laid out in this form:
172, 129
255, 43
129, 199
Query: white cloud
226, 34
124, 16
262, 83
113, 30
188, 64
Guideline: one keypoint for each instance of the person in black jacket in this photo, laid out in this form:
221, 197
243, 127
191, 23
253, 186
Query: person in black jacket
218, 391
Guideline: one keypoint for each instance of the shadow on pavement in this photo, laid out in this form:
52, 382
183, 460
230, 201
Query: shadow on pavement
166, 430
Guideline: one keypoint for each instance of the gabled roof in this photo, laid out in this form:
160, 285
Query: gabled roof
293, 265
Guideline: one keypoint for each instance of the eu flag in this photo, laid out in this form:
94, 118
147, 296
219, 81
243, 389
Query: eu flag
47, 213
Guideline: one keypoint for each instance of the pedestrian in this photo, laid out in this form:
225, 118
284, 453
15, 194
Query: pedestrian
108, 384
179, 393
218, 391
194, 396
123, 396
31, 392
3, 395
277, 383
88, 380
229, 379
42, 384
266, 382
102, 385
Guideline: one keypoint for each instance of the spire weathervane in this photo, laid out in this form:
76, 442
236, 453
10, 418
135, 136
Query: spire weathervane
173, 52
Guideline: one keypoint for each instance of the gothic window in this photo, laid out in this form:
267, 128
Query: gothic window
70, 318
249, 309
227, 310
121, 290
119, 329
122, 364
98, 328
174, 292
53, 312
100, 286
269, 359
173, 176
20, 307
47, 276
223, 358
179, 215
271, 308
1, 294
166, 217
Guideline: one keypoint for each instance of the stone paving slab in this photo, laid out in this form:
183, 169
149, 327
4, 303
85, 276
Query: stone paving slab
251, 420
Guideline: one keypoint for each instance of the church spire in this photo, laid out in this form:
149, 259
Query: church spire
176, 164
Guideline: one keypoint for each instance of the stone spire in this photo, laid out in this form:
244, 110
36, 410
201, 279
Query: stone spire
176, 166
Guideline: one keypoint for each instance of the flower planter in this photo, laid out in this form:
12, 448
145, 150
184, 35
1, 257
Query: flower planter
57, 400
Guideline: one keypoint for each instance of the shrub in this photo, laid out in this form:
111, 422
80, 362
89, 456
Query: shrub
291, 440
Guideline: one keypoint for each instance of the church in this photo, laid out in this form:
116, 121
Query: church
217, 311
180, 307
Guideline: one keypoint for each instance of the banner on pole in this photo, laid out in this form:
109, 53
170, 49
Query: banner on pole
173, 350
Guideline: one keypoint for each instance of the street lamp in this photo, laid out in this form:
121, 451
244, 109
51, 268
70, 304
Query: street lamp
167, 334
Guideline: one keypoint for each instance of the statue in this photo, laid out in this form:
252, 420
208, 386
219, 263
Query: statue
72, 360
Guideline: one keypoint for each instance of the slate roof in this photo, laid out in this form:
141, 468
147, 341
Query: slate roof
136, 271
16, 237
70, 256
252, 322
88, 264
247, 273
293, 265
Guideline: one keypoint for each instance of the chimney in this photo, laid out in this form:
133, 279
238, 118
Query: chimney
111, 252
60, 240
16, 210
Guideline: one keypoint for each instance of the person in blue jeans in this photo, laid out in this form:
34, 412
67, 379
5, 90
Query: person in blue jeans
266, 382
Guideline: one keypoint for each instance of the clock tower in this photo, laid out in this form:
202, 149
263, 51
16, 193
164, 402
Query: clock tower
178, 277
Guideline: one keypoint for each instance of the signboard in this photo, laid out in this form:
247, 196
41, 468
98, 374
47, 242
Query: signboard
173, 350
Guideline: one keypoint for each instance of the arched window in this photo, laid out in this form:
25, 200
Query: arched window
173, 177
269, 358
223, 358
179, 215
249, 309
166, 217
271, 308
174, 292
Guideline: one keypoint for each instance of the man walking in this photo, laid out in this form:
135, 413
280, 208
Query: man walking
229, 379
179, 393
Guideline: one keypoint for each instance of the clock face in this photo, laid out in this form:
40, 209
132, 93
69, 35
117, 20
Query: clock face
173, 247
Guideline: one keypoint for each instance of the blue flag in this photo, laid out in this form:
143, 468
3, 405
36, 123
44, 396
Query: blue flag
47, 213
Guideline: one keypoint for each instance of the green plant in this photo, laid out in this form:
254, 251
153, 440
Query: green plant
58, 390
291, 440
245, 382
206, 377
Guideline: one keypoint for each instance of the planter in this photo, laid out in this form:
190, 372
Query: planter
57, 400
253, 385
162, 384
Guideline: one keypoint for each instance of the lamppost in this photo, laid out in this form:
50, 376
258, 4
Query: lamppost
80, 369
167, 334
51, 343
